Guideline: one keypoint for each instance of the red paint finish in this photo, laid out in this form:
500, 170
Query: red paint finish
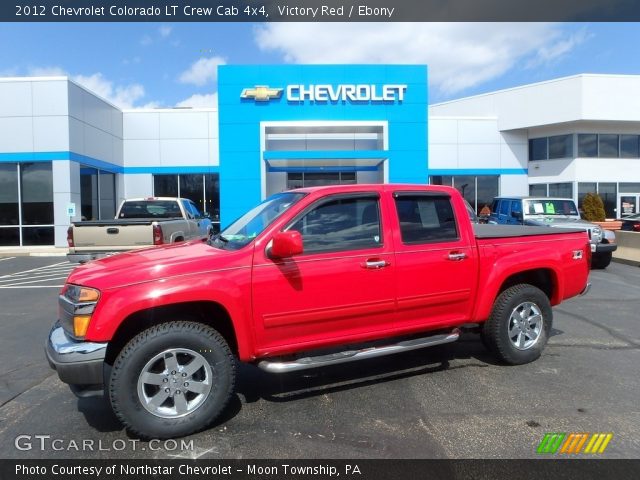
287, 304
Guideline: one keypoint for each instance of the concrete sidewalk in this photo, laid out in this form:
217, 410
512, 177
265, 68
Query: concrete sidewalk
33, 251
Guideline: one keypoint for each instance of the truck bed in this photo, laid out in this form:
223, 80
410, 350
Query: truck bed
510, 231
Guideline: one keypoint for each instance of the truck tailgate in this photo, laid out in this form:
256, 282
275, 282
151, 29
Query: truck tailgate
112, 234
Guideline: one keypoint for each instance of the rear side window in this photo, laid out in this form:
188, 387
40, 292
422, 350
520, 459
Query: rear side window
504, 207
341, 224
425, 219
516, 206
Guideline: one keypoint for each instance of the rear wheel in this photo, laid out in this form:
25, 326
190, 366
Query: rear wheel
172, 380
518, 328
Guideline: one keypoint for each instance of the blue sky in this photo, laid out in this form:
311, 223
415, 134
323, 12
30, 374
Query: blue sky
151, 64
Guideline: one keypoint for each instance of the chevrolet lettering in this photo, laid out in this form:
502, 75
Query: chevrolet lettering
349, 92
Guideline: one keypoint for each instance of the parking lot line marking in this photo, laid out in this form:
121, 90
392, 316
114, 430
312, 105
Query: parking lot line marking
38, 268
7, 258
32, 286
31, 281
35, 274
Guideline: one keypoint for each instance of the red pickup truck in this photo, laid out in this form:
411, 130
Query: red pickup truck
310, 277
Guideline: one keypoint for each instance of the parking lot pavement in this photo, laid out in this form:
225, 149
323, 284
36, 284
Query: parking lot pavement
451, 401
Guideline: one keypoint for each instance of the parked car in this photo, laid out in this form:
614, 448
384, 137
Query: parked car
631, 223
140, 222
308, 278
557, 213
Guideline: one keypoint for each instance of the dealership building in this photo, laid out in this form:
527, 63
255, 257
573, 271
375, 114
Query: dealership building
276, 127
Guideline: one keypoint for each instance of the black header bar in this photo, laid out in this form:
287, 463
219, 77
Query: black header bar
319, 11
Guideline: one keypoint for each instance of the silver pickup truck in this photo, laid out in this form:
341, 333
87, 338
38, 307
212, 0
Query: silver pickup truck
557, 213
140, 222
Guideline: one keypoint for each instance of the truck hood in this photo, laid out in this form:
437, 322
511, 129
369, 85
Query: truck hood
153, 263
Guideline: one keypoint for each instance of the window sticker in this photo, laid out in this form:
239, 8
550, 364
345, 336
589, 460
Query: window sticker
549, 208
538, 208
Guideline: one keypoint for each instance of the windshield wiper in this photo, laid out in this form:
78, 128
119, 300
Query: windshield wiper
216, 237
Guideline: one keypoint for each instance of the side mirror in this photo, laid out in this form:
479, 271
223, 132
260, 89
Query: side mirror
286, 244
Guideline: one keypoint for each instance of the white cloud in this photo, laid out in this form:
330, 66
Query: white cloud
123, 96
197, 100
165, 31
558, 49
146, 40
47, 72
459, 55
202, 71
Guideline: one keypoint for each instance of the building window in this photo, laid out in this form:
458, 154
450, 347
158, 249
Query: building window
201, 189
561, 146
316, 179
609, 194
628, 187
97, 194
588, 145
26, 204
584, 188
477, 190
629, 146
538, 149
561, 190
608, 146
538, 190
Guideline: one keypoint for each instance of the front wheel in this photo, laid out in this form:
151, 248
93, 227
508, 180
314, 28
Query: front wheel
518, 328
600, 261
172, 379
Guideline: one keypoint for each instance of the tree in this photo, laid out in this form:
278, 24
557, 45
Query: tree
593, 208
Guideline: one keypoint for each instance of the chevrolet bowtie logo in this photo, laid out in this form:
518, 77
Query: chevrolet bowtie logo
261, 93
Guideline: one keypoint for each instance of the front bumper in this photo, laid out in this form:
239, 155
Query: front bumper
77, 363
606, 247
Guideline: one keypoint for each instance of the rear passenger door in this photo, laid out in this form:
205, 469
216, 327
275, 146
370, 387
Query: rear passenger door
435, 263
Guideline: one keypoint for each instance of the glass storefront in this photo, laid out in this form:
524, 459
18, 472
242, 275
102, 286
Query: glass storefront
317, 179
26, 204
203, 189
478, 190
97, 194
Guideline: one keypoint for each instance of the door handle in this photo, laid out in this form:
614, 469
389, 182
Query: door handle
375, 264
457, 256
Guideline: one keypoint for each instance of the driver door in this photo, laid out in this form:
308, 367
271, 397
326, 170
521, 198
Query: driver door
340, 288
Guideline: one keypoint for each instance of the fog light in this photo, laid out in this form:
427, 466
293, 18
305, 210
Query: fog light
80, 325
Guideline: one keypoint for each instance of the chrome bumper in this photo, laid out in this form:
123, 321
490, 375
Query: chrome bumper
76, 362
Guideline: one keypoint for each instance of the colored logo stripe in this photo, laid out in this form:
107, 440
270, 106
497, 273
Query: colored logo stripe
550, 442
598, 443
573, 443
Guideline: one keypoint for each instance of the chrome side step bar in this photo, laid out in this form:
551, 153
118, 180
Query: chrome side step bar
353, 355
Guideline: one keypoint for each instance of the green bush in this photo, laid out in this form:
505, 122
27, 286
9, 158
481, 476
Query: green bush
593, 208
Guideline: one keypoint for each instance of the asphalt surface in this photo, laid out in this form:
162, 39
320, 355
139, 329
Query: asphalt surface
451, 401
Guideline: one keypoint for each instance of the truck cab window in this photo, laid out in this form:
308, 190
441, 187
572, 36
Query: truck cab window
425, 219
341, 224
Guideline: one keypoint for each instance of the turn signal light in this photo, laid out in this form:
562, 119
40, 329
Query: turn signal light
80, 325
157, 235
88, 295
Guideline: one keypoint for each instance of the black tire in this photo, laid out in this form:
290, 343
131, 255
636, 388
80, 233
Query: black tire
135, 357
601, 261
495, 331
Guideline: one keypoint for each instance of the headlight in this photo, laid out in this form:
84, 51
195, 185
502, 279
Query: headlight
76, 306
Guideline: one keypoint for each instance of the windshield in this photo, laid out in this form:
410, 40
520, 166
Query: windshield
545, 206
251, 224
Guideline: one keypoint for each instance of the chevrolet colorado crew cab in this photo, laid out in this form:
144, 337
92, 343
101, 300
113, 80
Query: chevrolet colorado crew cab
140, 222
308, 278
556, 213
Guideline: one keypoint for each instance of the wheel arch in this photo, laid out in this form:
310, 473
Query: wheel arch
208, 313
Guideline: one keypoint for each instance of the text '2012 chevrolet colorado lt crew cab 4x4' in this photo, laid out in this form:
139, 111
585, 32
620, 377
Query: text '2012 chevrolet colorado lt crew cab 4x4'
309, 277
